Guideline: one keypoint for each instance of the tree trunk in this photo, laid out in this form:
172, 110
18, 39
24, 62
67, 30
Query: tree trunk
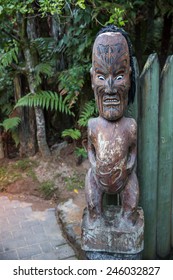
40, 121
27, 128
31, 59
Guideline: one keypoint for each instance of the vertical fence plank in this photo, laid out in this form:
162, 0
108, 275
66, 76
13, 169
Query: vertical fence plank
148, 151
165, 167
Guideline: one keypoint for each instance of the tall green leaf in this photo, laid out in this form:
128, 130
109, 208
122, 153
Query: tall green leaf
75, 134
10, 123
88, 112
46, 100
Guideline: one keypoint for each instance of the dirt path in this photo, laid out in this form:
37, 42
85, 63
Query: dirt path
45, 183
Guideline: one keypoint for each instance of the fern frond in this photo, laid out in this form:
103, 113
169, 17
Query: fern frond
72, 80
15, 137
45, 47
11, 123
6, 108
75, 134
44, 68
46, 100
89, 111
81, 152
8, 57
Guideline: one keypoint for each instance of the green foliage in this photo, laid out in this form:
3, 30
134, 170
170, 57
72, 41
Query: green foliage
81, 4
75, 134
51, 7
11, 7
117, 18
42, 69
13, 171
71, 82
74, 182
165, 7
8, 175
15, 137
6, 94
77, 39
89, 110
6, 106
48, 58
24, 164
47, 188
81, 152
46, 48
45, 6
11, 123
46, 100
9, 55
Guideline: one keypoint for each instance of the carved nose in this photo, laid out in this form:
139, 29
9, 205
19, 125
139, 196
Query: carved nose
109, 88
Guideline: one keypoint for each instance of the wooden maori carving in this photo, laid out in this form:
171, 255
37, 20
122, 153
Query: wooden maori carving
111, 136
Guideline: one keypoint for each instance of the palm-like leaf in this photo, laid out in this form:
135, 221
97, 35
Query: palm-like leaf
8, 57
89, 111
10, 123
75, 134
46, 100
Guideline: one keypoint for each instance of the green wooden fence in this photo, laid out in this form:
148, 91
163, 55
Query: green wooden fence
153, 110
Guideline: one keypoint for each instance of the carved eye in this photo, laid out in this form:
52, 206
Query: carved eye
119, 77
102, 78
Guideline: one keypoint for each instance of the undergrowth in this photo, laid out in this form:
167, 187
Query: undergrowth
12, 171
47, 189
73, 182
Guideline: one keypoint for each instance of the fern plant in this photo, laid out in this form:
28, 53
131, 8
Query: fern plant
81, 152
46, 100
11, 125
9, 55
75, 134
45, 48
89, 110
71, 82
44, 69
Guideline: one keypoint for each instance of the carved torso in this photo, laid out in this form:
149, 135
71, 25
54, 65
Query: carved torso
111, 144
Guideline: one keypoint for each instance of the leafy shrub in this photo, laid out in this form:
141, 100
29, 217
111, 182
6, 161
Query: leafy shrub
47, 188
75, 134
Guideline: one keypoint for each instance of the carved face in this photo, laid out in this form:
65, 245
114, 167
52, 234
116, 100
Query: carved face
110, 74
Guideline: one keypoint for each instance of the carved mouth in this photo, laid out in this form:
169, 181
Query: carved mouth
111, 101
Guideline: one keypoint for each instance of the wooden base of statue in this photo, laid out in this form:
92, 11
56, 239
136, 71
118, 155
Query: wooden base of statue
110, 237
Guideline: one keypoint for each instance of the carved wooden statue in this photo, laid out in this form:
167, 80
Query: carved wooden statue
111, 139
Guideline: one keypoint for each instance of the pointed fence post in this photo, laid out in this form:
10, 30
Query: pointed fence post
148, 151
165, 167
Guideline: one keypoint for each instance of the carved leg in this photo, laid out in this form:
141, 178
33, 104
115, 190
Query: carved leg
130, 197
93, 196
